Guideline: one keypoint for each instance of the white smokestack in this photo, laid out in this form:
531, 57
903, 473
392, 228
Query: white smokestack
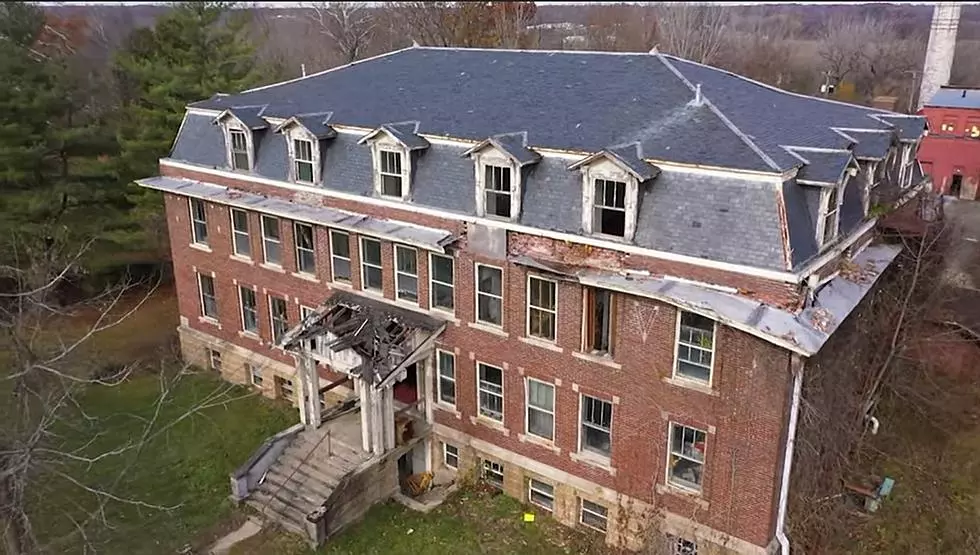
939, 54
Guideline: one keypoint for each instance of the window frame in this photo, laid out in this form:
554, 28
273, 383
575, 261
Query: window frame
272, 318
477, 293
699, 489
677, 347
254, 371
582, 450
254, 309
494, 468
446, 455
582, 509
480, 390
825, 212
238, 233
529, 307
399, 273
608, 170
334, 256
597, 206
589, 294
266, 240
299, 250
195, 235
528, 408
433, 282
295, 139
214, 359
489, 167
401, 154
681, 546
246, 150
202, 298
440, 377
531, 490
286, 388
364, 264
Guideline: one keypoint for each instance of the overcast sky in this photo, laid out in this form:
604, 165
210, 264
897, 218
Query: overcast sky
298, 4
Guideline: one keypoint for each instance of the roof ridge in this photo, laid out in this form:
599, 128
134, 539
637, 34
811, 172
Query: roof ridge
531, 50
738, 132
319, 73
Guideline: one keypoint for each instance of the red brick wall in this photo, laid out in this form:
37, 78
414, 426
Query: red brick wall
745, 409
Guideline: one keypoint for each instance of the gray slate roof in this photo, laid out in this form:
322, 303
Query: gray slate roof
956, 97
871, 144
249, 115
511, 144
823, 167
317, 124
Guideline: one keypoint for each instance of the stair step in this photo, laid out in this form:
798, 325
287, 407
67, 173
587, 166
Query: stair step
336, 448
311, 490
334, 467
310, 470
287, 518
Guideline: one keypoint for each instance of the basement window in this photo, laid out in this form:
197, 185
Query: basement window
493, 474
254, 374
541, 494
686, 462
593, 515
285, 388
209, 301
214, 360
600, 316
609, 208
681, 546
450, 456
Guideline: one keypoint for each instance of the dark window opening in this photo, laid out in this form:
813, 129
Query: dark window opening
956, 185
599, 321
609, 208
497, 184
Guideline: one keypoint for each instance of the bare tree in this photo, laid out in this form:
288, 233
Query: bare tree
348, 25
692, 30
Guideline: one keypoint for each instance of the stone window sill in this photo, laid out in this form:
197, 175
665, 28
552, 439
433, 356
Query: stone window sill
684, 493
604, 360
595, 461
308, 277
535, 440
492, 424
273, 267
692, 385
439, 405
488, 328
209, 320
342, 285
242, 259
250, 335
544, 344
201, 247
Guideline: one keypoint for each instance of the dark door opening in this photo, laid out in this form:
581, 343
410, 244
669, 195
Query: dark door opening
405, 469
407, 390
956, 185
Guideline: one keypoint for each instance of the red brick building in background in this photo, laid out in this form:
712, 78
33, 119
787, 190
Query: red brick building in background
950, 152
620, 263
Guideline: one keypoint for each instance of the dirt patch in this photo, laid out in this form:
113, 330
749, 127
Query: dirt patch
205, 538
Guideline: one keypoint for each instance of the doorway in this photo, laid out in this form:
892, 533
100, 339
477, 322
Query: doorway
407, 390
956, 185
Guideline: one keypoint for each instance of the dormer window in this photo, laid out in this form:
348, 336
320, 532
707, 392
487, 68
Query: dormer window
499, 162
304, 135
392, 180
240, 126
392, 146
303, 160
609, 208
611, 182
239, 150
829, 222
499, 196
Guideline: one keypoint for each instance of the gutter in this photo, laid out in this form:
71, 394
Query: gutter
794, 413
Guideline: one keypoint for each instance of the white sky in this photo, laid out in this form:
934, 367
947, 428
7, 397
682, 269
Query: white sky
299, 4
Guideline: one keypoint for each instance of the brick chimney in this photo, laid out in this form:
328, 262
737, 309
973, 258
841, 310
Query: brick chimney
939, 53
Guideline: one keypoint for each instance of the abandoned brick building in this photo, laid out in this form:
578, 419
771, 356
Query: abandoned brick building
594, 279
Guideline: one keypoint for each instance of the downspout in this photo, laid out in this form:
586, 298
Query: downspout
794, 412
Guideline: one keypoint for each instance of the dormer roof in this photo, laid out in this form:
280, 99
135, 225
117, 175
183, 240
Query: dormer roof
823, 167
909, 127
315, 124
514, 145
868, 144
405, 133
628, 157
248, 116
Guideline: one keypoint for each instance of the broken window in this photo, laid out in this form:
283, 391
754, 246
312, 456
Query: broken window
609, 208
199, 222
599, 320
450, 456
271, 242
305, 253
497, 187
250, 313
441, 279
214, 360
278, 318
209, 302
686, 463
254, 374
596, 426
542, 308
594, 515
493, 473
285, 388
695, 347
831, 209
446, 363
391, 173
541, 494
540, 409
680, 546
303, 160
340, 256
491, 391
241, 244
489, 295
406, 274
239, 150
371, 275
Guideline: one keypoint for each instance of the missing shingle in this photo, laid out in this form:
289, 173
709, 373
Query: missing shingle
696, 224
725, 209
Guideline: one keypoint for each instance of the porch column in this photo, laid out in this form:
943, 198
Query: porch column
389, 417
309, 391
366, 410
377, 421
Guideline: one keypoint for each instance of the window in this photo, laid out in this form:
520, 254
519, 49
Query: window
490, 388
271, 242
973, 129
250, 313
391, 173
441, 281
540, 409
254, 374
948, 126
489, 295
199, 222
594, 515
214, 360
239, 150
695, 347
209, 302
830, 212
609, 208
371, 275
406, 274
450, 456
541, 494
240, 243
278, 317
446, 363
305, 255
542, 308
596, 426
680, 546
498, 190
285, 388
685, 467
493, 473
303, 160
340, 256
313, 343
600, 315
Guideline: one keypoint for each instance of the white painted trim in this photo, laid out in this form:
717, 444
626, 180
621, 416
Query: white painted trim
333, 271
190, 209
380, 266
200, 294
235, 232
788, 456
704, 463
272, 321
503, 393
527, 408
438, 368
241, 308
476, 296
527, 309
677, 347
394, 259
606, 460
296, 249
265, 255
432, 283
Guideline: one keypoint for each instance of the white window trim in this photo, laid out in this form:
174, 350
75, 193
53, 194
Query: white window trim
869, 184
235, 232
272, 318
704, 463
386, 143
433, 282
477, 293
200, 295
479, 408
265, 254
214, 355
254, 371
581, 424
445, 456
230, 125
297, 248
363, 264
415, 254
334, 256
297, 133
531, 489
528, 307
241, 309
190, 207
604, 169
500, 466
825, 211
582, 510
677, 346
314, 345
493, 157
527, 409
439, 379
586, 345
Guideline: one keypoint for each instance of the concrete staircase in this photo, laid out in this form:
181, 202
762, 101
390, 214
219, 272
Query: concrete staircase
304, 477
